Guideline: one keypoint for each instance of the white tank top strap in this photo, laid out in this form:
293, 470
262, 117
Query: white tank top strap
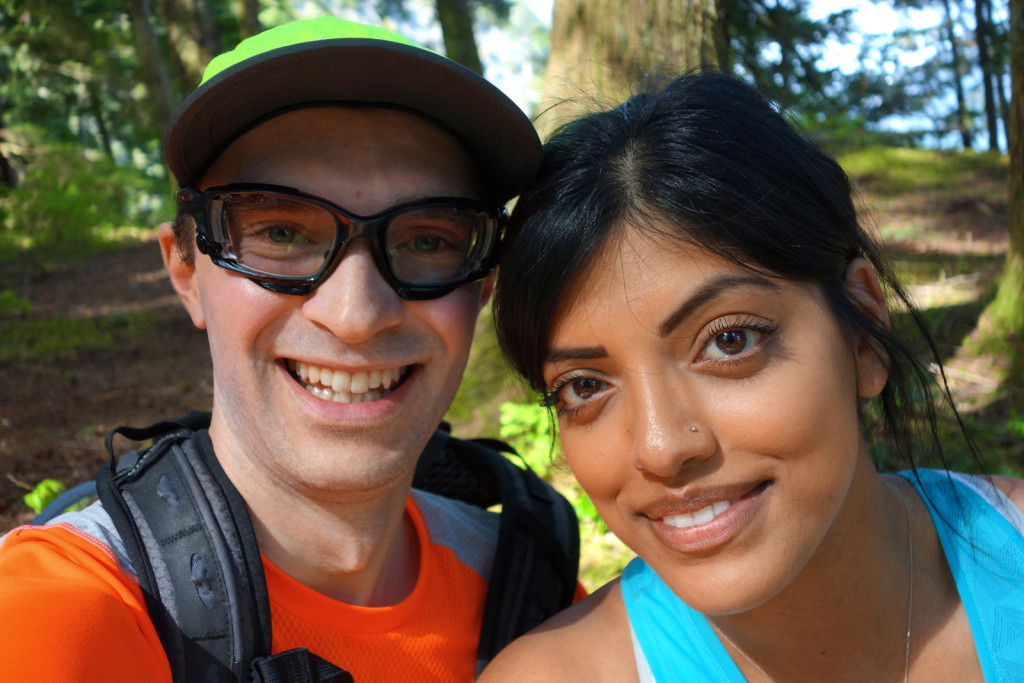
643, 668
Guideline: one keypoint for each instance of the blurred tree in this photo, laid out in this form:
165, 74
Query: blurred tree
8, 176
774, 44
457, 28
982, 61
159, 86
958, 67
602, 48
982, 37
456, 20
249, 14
1002, 323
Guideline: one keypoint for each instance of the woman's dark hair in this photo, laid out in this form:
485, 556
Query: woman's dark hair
708, 161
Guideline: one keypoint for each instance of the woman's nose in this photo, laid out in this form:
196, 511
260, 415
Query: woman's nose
668, 435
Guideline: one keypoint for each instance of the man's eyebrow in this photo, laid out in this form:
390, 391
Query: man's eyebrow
708, 291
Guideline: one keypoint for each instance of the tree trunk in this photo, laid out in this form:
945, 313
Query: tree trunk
152, 67
1002, 323
1004, 104
185, 73
8, 176
209, 34
101, 120
982, 31
723, 49
457, 28
249, 17
602, 48
963, 125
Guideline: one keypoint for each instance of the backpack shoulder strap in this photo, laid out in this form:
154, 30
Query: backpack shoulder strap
534, 572
191, 543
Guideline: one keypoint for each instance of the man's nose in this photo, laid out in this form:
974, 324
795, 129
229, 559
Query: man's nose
355, 302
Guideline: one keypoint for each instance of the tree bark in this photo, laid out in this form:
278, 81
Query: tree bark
209, 34
8, 176
456, 20
1004, 104
157, 83
600, 49
249, 17
963, 125
982, 31
1002, 323
184, 51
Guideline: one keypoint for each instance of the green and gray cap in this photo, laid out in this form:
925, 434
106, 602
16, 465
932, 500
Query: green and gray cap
329, 61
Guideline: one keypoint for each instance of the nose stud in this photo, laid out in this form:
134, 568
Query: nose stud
693, 429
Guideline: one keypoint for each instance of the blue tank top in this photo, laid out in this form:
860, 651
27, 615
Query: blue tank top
982, 535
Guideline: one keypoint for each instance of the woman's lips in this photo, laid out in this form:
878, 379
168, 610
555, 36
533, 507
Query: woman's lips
711, 525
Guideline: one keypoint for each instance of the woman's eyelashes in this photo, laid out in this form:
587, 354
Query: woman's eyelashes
571, 392
736, 341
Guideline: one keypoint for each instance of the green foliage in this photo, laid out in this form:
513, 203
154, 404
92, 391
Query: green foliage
61, 338
70, 200
43, 494
528, 428
9, 301
891, 171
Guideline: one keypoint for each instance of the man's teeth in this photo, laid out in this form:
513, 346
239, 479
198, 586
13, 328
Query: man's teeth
702, 516
345, 387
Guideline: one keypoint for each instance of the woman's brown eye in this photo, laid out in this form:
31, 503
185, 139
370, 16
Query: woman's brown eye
731, 342
586, 387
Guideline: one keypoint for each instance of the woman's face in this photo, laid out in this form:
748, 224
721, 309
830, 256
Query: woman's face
711, 415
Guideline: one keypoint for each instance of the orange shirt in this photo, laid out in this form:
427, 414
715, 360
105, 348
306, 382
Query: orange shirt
68, 612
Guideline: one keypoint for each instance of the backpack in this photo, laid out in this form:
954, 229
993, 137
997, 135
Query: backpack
191, 543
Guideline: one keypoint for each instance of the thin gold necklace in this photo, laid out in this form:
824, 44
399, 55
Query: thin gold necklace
910, 604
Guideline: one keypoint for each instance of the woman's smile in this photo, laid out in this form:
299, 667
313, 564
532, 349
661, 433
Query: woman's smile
709, 526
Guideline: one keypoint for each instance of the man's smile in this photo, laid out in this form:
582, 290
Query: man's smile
342, 386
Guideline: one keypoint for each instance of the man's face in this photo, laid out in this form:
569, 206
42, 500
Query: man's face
333, 394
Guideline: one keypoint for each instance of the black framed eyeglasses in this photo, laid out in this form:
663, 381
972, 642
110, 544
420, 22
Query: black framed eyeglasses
290, 242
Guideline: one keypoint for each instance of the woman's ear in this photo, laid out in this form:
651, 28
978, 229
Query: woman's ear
872, 360
182, 274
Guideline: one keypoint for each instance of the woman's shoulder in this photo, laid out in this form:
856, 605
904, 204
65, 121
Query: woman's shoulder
588, 641
1012, 488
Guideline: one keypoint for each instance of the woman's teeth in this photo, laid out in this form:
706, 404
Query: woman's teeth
346, 387
702, 516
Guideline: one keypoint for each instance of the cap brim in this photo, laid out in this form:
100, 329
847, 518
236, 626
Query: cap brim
496, 133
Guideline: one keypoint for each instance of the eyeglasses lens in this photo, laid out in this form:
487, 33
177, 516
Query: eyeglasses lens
275, 235
281, 235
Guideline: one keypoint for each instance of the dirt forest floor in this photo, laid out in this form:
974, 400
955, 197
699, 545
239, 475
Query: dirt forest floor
54, 414
154, 365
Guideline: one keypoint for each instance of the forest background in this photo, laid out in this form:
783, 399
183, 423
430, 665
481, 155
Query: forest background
926, 119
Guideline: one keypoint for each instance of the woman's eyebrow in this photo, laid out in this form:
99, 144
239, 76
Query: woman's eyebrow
708, 291
555, 355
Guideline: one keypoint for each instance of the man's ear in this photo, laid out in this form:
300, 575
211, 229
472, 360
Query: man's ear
487, 287
182, 274
872, 360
